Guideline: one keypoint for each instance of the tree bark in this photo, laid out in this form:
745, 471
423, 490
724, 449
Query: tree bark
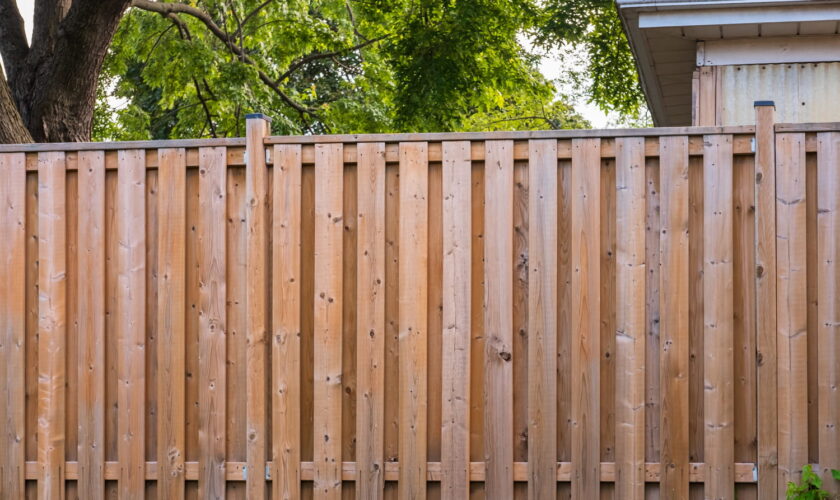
53, 82
12, 128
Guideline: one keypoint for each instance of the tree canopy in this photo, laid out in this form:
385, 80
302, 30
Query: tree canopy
133, 69
348, 66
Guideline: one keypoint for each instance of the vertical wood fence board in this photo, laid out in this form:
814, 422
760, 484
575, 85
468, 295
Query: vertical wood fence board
455, 434
255, 353
71, 408
564, 319
413, 315
236, 311
630, 319
91, 324
498, 319
607, 328
673, 299
586, 305
718, 300
286, 321
212, 258
349, 250
652, 315
792, 318
171, 352
370, 328
828, 220
131, 320
52, 323
811, 297
12, 322
744, 332
329, 184
392, 347
477, 320
765, 289
520, 337
542, 320
696, 359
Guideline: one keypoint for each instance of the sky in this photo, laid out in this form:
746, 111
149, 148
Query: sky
551, 66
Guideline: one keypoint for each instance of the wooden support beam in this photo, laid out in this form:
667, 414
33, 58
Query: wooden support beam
765, 299
256, 304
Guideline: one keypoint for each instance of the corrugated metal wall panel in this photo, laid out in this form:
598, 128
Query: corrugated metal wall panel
802, 92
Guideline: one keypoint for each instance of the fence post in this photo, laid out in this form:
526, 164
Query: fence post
765, 290
257, 128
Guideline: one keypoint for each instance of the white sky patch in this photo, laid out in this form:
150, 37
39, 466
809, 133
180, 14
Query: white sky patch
552, 65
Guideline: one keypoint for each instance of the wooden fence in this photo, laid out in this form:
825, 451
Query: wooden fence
647, 313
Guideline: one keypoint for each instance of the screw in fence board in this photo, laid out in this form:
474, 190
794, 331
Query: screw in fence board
765, 300
257, 129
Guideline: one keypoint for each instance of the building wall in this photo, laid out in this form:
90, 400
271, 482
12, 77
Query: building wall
804, 92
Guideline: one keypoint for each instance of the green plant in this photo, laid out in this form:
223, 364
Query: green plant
810, 486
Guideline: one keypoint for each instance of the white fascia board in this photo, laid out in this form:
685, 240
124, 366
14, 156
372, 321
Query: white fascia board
738, 15
773, 50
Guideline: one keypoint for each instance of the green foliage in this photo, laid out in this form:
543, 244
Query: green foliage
351, 66
810, 486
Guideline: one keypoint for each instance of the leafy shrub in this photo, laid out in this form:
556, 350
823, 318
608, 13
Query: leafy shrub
810, 486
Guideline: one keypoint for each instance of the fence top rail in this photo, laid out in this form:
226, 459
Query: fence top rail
509, 135
808, 127
405, 137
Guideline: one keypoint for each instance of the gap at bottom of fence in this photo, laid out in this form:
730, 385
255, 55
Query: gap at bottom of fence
235, 471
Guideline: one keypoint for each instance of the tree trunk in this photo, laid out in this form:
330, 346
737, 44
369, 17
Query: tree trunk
53, 82
12, 128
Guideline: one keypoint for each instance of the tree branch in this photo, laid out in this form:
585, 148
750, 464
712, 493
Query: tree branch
207, 113
303, 61
47, 16
250, 15
13, 44
168, 9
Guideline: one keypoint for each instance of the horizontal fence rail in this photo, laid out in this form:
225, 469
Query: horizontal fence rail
624, 314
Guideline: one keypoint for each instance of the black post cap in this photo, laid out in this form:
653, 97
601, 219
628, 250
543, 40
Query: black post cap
257, 115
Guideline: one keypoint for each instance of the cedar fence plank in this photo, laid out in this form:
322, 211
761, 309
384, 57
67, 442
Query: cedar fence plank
630, 319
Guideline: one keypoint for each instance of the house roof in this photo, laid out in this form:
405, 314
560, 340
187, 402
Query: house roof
663, 35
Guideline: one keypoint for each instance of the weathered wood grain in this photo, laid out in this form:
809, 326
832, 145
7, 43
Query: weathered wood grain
630, 319
131, 320
586, 306
455, 435
370, 327
413, 318
329, 226
12, 322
